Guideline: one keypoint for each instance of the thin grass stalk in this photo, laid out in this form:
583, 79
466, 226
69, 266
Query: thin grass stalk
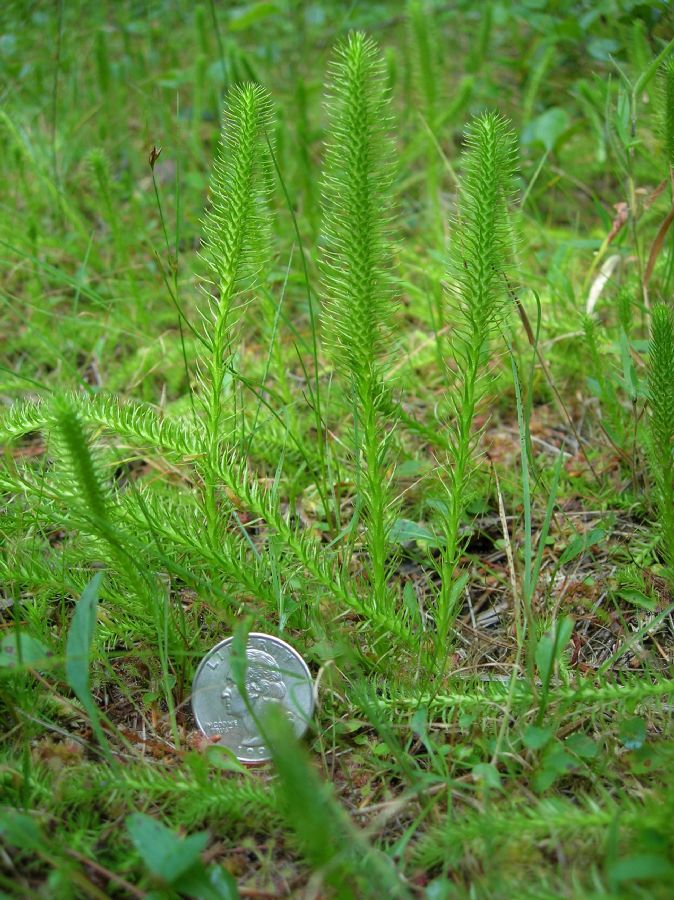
661, 426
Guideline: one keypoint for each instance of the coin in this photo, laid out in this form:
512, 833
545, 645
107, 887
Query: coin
275, 674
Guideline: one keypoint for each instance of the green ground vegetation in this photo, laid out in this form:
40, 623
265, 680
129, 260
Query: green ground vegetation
351, 323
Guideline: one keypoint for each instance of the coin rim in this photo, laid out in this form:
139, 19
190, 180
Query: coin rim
226, 642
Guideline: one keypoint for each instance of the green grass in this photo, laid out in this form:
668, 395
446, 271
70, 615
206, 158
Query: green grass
382, 366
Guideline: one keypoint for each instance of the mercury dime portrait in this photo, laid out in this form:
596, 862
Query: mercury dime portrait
275, 674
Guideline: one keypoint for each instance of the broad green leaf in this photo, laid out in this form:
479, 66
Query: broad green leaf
223, 883
551, 646
224, 758
419, 722
18, 649
78, 648
535, 738
633, 733
245, 16
80, 636
642, 867
488, 775
404, 530
412, 468
547, 128
601, 48
165, 855
545, 778
207, 884
652, 758
411, 602
581, 745
581, 543
457, 590
21, 831
556, 761
545, 653
637, 598
440, 889
466, 719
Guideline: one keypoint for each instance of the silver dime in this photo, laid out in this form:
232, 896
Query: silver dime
275, 674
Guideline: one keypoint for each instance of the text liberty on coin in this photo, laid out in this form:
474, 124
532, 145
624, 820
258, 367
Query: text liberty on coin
275, 674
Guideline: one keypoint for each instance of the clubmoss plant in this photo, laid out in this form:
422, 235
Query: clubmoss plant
359, 300
480, 246
86, 482
235, 244
245, 495
96, 509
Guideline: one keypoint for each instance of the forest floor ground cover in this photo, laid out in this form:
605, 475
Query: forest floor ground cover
490, 723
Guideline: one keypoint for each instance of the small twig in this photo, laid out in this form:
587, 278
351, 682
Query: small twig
658, 242
106, 873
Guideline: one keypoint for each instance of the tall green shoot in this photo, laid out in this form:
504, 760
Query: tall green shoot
478, 260
235, 239
94, 503
358, 297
